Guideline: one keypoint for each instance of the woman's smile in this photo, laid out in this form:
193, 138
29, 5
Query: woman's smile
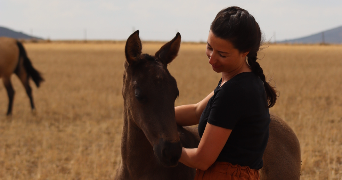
215, 66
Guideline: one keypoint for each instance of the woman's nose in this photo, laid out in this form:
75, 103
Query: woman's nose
212, 59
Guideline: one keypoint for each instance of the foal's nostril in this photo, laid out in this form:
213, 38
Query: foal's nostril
168, 153
172, 152
164, 154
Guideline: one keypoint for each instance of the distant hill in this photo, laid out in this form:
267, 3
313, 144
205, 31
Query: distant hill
14, 34
332, 36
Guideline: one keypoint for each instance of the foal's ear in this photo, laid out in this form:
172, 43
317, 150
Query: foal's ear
133, 48
169, 51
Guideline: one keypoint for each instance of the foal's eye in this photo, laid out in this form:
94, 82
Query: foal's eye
138, 95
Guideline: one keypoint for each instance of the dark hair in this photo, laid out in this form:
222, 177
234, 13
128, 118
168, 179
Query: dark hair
240, 28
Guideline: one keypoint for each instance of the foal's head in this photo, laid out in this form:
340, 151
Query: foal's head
149, 93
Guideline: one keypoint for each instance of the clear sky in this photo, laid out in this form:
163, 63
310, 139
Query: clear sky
161, 19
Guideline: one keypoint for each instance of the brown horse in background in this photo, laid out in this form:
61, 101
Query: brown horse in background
13, 59
151, 140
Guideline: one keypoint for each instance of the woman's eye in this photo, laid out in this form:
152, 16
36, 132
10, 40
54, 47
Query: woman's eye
222, 56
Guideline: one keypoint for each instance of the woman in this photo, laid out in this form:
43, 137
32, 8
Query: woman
233, 120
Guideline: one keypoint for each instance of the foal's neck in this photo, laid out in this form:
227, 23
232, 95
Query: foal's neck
136, 150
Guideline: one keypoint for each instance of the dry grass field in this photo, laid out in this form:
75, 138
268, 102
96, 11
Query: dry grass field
75, 132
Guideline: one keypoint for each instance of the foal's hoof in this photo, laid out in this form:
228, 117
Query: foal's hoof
34, 112
9, 116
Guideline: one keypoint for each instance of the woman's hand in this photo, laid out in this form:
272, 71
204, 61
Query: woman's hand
187, 115
212, 142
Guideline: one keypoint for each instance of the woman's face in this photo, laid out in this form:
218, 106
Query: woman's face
223, 57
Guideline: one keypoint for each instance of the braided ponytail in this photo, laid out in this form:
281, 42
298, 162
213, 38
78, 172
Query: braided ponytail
240, 28
256, 68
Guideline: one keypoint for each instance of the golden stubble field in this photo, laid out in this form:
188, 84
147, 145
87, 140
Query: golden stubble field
76, 130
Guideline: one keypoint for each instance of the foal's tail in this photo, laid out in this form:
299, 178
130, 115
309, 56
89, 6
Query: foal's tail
31, 72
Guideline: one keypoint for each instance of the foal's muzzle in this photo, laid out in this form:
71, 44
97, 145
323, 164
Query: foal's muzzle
168, 152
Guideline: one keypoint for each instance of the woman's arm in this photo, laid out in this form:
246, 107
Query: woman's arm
187, 115
212, 142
